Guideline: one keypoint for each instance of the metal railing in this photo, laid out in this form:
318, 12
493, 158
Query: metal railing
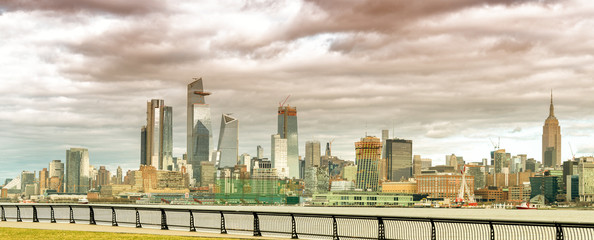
294, 225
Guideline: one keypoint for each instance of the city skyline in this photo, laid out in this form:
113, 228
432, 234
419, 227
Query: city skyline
345, 79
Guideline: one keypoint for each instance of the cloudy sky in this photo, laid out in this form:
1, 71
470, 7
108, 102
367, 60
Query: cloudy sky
450, 75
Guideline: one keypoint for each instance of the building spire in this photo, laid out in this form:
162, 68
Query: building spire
552, 108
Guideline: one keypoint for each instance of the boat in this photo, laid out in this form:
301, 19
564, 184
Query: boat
526, 205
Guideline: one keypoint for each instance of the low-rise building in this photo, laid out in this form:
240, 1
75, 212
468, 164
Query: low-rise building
399, 187
362, 199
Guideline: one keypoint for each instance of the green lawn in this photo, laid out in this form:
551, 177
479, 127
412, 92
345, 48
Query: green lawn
23, 233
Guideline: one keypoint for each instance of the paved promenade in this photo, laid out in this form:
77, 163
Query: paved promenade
102, 228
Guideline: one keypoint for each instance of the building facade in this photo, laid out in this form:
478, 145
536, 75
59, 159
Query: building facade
312, 154
398, 159
199, 130
77, 171
442, 186
228, 141
551, 139
287, 129
279, 156
368, 153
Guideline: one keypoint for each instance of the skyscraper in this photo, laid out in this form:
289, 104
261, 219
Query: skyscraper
119, 176
158, 133
77, 170
287, 129
368, 153
199, 132
143, 156
551, 139
260, 152
278, 154
398, 159
56, 175
228, 141
312, 154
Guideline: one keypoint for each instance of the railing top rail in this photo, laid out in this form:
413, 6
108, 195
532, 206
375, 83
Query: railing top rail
297, 213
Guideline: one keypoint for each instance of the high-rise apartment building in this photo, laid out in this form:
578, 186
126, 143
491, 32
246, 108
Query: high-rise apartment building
368, 153
199, 131
119, 175
158, 145
279, 158
56, 175
103, 176
228, 141
43, 180
398, 159
385, 136
551, 139
26, 179
77, 170
259, 152
287, 129
312, 154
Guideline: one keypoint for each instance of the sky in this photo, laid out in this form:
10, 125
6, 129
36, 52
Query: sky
449, 75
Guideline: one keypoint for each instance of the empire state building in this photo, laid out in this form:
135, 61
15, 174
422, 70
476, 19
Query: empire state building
551, 139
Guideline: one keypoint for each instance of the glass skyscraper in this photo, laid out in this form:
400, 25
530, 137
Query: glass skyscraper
77, 170
368, 153
287, 129
199, 131
157, 145
398, 159
228, 141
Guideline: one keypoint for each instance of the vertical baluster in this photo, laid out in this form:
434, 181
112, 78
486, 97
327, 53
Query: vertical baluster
492, 236
257, 232
3, 214
164, 220
52, 216
381, 231
92, 216
334, 229
559, 231
294, 228
433, 232
71, 215
35, 219
114, 220
192, 227
223, 229
138, 225
19, 214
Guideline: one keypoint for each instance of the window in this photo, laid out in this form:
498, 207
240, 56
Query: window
358, 198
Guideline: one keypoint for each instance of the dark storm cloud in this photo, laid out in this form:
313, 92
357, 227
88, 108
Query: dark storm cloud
93, 6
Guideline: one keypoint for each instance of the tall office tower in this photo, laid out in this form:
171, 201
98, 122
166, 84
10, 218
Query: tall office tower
103, 176
328, 150
287, 129
551, 139
26, 178
43, 180
500, 161
166, 143
417, 165
159, 135
312, 154
143, 145
398, 159
119, 176
77, 170
385, 136
278, 155
56, 175
228, 141
199, 132
368, 153
259, 152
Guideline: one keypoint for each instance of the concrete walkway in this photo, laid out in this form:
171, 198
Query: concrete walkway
103, 228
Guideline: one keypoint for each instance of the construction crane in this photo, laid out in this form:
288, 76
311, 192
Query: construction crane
281, 104
496, 147
465, 189
572, 154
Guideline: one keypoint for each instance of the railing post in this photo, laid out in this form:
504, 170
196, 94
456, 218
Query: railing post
192, 227
381, 233
114, 220
257, 232
164, 220
19, 214
92, 216
492, 237
138, 225
294, 228
559, 231
3, 214
223, 229
52, 216
433, 232
334, 229
71, 215
35, 219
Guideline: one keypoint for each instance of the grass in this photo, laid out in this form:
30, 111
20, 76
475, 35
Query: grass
23, 233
